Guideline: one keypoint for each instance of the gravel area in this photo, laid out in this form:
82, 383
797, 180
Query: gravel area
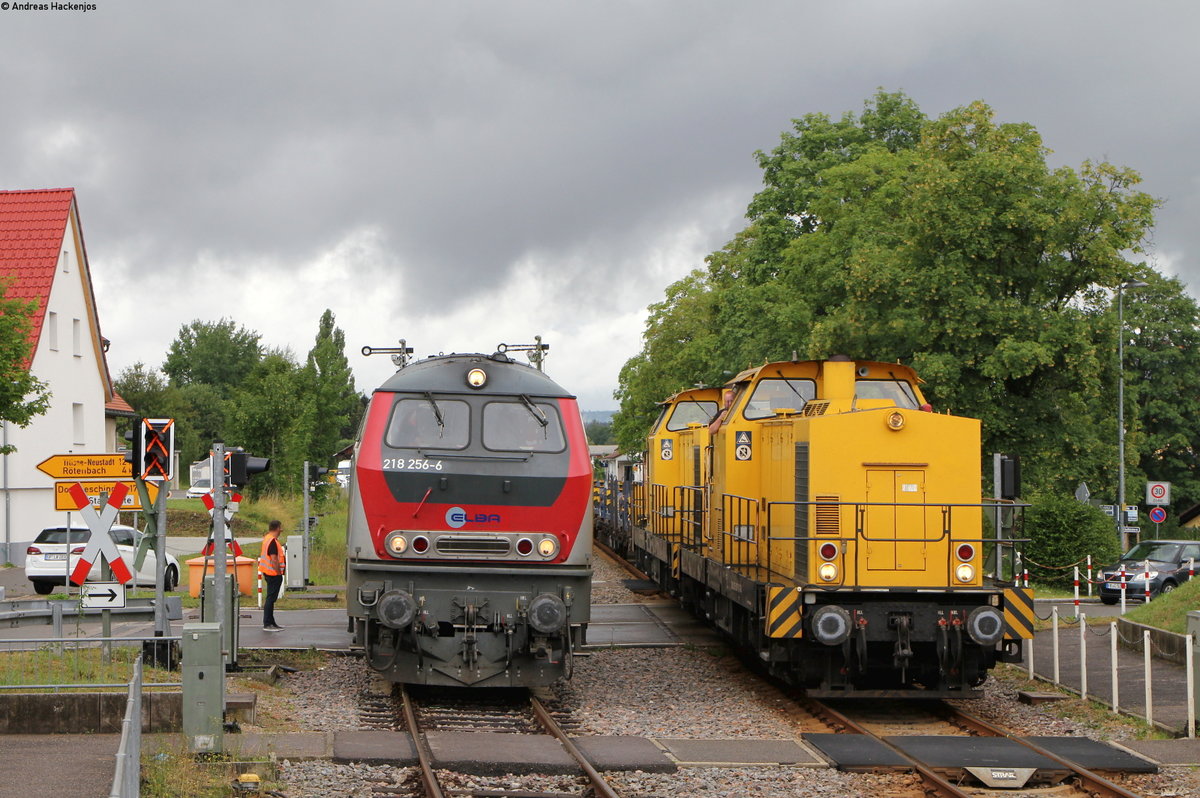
688, 693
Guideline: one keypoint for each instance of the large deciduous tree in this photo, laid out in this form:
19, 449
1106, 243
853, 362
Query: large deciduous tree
949, 244
221, 354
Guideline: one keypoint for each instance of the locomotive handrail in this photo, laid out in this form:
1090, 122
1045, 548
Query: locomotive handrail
859, 535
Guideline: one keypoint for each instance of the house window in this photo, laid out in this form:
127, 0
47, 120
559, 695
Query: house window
66, 262
76, 337
77, 418
52, 330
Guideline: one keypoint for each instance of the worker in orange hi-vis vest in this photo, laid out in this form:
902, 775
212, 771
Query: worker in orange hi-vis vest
271, 564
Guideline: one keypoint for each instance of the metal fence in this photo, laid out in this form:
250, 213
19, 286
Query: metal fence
127, 774
1120, 669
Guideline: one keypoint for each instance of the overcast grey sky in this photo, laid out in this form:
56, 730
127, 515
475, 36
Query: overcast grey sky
465, 173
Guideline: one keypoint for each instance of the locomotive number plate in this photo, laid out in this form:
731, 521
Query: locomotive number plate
411, 464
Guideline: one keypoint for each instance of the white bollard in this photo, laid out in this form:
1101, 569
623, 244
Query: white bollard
260, 593
1076, 591
1112, 631
1029, 653
1149, 683
1083, 685
1124, 584
1054, 639
1091, 575
1191, 687
1146, 576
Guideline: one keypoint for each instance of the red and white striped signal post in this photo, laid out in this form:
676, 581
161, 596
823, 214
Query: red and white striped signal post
100, 542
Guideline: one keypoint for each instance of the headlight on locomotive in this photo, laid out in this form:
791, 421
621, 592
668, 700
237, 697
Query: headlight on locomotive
964, 572
985, 626
397, 609
547, 614
395, 543
547, 547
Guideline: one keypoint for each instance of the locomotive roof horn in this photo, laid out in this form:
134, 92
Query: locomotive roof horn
400, 354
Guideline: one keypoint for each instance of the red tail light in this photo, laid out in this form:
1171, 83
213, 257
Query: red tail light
33, 550
965, 552
828, 551
78, 550
420, 544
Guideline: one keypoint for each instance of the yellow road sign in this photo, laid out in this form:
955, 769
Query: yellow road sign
63, 500
85, 466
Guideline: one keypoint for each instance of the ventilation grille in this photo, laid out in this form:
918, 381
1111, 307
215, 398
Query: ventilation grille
815, 408
828, 516
472, 545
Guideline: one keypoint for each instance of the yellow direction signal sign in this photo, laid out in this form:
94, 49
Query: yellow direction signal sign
63, 500
85, 466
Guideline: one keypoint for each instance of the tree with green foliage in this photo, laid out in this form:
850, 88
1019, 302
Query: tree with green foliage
1063, 532
22, 396
221, 354
337, 405
273, 415
948, 244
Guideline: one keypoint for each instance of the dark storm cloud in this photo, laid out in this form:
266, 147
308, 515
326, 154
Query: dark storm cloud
473, 139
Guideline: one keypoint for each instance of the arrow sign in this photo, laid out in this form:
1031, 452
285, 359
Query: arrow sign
85, 466
102, 595
100, 543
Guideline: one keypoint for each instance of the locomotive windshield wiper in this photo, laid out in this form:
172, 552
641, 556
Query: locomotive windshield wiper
788, 383
437, 411
535, 411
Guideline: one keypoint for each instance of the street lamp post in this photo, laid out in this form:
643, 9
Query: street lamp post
1121, 405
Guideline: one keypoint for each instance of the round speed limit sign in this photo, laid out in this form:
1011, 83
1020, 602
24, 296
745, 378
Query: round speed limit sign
1158, 493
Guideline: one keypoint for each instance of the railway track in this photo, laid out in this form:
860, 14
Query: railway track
420, 712
933, 718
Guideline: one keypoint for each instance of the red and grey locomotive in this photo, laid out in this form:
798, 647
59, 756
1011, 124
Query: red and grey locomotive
469, 539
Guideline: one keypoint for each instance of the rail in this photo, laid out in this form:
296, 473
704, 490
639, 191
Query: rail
127, 773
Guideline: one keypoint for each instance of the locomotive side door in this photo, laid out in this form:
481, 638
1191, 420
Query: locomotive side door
895, 533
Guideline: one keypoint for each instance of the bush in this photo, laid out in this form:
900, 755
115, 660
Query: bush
1062, 532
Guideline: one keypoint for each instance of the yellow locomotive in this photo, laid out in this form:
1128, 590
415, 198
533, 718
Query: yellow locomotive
823, 516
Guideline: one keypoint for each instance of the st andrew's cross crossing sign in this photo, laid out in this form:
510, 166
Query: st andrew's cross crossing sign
100, 542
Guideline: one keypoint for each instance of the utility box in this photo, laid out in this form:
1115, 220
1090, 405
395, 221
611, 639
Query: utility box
208, 613
297, 563
203, 688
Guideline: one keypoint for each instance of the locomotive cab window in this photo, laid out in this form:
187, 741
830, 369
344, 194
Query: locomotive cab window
898, 392
771, 395
429, 424
687, 413
522, 427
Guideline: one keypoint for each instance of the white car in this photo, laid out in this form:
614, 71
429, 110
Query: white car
47, 566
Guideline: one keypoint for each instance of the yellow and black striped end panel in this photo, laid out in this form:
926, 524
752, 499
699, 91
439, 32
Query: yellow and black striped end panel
1019, 615
785, 607
676, 558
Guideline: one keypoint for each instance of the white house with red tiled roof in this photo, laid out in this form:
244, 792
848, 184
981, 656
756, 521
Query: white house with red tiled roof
42, 253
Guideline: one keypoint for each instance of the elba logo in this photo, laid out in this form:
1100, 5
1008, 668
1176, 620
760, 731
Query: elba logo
457, 518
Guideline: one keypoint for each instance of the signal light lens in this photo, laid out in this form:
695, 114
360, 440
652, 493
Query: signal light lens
476, 378
964, 573
828, 551
396, 543
420, 544
895, 420
547, 547
524, 547
965, 552
828, 571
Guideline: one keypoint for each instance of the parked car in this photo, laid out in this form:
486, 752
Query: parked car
46, 564
1169, 561
199, 488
